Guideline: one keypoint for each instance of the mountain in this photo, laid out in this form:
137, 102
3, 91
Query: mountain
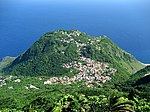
6, 61
61, 52
141, 79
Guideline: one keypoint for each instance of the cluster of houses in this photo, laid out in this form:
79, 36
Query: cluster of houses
90, 72
4, 79
71, 40
70, 34
68, 38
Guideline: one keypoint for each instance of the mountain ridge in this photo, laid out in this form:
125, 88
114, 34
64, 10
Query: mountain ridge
54, 49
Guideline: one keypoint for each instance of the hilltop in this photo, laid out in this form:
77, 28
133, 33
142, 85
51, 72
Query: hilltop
62, 53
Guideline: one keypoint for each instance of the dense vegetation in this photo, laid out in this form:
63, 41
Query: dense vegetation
138, 83
19, 96
23, 87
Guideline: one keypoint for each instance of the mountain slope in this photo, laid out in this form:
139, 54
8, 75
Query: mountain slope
141, 79
140, 74
138, 84
48, 55
6, 61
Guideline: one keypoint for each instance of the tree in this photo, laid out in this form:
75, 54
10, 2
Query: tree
119, 104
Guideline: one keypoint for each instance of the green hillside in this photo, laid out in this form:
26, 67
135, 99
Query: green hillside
138, 84
145, 72
47, 56
141, 79
6, 61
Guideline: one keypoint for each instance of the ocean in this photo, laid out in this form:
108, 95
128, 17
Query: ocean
126, 22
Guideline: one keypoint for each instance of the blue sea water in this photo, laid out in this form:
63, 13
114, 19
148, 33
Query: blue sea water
126, 22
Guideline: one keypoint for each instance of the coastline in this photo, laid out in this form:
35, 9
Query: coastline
147, 64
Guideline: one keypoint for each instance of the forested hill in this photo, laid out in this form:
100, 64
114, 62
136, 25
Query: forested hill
141, 77
138, 84
55, 51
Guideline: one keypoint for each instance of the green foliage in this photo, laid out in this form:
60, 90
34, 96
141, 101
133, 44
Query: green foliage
118, 103
142, 105
40, 104
10, 110
140, 74
66, 104
101, 103
138, 84
66, 98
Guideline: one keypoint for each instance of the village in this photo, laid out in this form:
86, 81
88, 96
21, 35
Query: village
69, 38
92, 73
